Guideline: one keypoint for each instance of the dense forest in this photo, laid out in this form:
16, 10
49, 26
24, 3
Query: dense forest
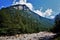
56, 27
14, 21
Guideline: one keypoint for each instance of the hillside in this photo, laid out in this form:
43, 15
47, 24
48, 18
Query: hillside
20, 19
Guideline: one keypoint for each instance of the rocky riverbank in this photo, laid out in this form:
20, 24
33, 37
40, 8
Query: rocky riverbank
33, 36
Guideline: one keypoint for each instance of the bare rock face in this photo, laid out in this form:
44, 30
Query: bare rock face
34, 36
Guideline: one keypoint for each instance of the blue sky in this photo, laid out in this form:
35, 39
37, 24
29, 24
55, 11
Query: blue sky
53, 4
38, 4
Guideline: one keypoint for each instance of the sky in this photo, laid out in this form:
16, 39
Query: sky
44, 8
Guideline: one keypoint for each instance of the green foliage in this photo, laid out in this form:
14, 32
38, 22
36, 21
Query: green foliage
56, 28
58, 38
18, 21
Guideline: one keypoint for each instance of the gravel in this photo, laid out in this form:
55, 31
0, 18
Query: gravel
33, 36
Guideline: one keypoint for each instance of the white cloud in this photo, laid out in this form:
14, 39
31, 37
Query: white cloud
52, 17
2, 6
24, 2
29, 5
39, 12
20, 2
46, 14
14, 1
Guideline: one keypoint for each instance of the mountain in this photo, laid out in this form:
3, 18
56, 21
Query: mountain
20, 19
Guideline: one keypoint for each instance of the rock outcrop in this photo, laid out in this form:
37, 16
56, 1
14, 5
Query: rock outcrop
34, 36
